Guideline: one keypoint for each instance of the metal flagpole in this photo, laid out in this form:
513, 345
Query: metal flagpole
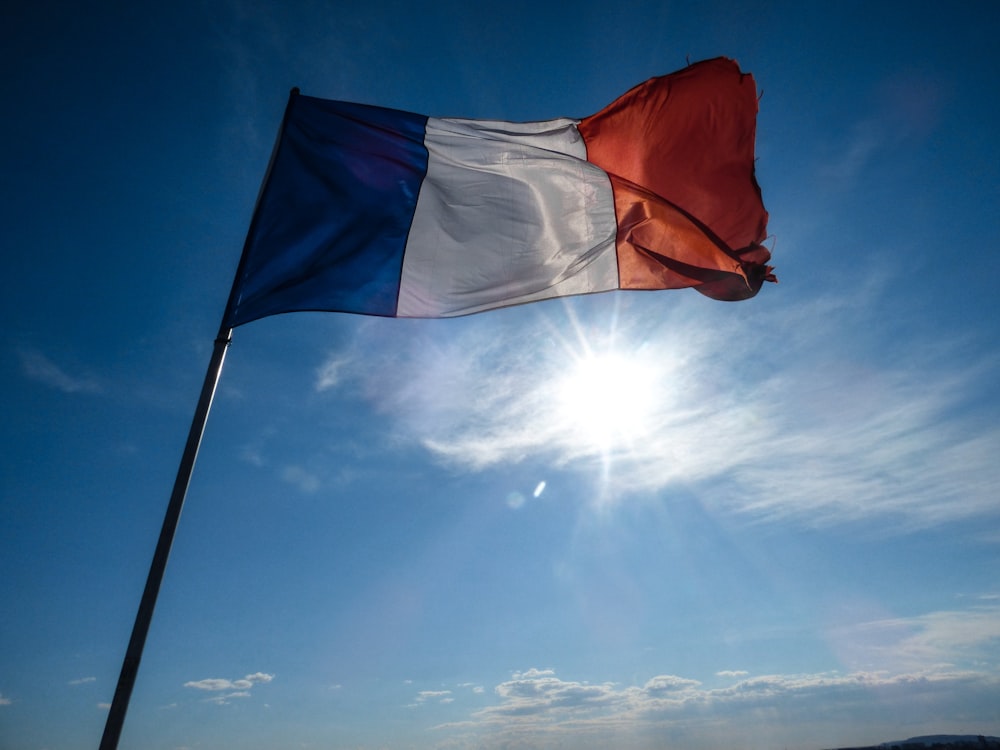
130, 665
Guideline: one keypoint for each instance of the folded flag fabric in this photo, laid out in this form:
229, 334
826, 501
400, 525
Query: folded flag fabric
381, 212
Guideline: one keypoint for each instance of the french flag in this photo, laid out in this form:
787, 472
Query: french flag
380, 212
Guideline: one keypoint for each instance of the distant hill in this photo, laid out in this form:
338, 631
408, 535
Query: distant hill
938, 742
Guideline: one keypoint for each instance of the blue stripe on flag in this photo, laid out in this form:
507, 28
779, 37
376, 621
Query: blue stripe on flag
333, 217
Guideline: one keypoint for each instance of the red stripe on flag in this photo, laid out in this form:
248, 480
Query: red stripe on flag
680, 152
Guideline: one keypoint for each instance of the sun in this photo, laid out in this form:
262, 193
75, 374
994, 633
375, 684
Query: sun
608, 399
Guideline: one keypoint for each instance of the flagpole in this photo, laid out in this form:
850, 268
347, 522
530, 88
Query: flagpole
133, 655
130, 665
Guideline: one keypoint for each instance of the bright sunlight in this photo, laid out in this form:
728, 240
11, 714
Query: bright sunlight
608, 399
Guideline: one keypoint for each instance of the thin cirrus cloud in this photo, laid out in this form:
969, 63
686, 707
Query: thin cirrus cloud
816, 428
909, 110
896, 644
853, 157
39, 367
305, 481
329, 373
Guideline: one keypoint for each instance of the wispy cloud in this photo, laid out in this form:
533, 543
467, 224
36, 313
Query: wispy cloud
258, 455
4, 701
253, 456
908, 110
329, 373
854, 153
956, 637
228, 689
437, 696
834, 431
305, 481
42, 369
82, 681
249, 29
254, 32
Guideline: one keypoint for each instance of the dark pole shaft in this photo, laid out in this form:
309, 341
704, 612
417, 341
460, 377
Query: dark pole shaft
130, 666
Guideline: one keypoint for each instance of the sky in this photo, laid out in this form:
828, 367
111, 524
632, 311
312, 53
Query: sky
433, 534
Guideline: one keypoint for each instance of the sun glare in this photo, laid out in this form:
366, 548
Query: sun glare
608, 399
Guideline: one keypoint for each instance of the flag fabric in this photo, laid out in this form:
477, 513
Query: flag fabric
381, 212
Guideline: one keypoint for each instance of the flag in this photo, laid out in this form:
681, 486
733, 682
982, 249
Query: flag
382, 212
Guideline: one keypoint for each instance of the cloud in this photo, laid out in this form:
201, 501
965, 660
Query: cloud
845, 426
540, 691
253, 456
668, 684
4, 701
328, 375
924, 672
963, 637
909, 109
211, 684
82, 681
533, 673
546, 711
854, 154
40, 368
237, 688
442, 696
303, 480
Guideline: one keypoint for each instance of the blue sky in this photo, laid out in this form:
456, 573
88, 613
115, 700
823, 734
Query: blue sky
419, 534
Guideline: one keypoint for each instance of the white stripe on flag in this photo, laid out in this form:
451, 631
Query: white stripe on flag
507, 213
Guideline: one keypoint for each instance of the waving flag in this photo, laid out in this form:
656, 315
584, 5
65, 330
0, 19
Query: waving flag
381, 212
